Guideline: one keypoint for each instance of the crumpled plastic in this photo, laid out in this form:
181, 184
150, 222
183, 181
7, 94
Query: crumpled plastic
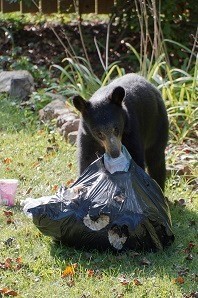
118, 164
119, 211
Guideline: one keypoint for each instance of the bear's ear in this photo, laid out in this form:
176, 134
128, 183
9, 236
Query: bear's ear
117, 95
80, 104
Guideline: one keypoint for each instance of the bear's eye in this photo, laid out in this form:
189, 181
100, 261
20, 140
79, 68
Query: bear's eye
116, 131
100, 135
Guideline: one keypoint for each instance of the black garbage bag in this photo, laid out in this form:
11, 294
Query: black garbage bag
119, 211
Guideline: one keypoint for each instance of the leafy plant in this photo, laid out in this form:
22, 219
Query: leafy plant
78, 79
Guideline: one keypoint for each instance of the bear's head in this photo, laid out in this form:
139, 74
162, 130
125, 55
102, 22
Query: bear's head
104, 118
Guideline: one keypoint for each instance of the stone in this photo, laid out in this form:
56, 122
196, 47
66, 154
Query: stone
63, 118
72, 137
53, 110
19, 84
69, 127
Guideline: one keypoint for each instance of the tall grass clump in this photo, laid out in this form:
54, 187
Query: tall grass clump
78, 78
177, 85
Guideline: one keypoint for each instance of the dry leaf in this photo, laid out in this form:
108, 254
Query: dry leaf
8, 292
179, 280
36, 164
8, 213
189, 248
70, 165
90, 272
137, 282
124, 281
28, 191
69, 182
7, 160
8, 263
71, 283
10, 221
69, 271
55, 187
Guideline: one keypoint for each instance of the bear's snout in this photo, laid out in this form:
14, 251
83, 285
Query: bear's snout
113, 146
114, 153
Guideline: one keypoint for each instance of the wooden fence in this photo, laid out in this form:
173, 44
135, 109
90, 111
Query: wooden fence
62, 6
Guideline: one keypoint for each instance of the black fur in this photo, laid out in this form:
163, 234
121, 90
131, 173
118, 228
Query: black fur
129, 111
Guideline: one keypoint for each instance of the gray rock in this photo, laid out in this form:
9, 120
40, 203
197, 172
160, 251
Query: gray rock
72, 136
69, 117
53, 110
19, 84
69, 127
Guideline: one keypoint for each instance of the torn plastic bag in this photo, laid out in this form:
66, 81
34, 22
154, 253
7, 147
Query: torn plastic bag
119, 211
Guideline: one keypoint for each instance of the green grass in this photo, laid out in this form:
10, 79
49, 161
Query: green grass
25, 147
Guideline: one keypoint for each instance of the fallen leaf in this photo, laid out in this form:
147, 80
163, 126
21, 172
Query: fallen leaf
69, 271
137, 282
40, 132
55, 187
19, 260
7, 160
124, 281
9, 221
179, 280
8, 292
71, 283
191, 245
8, 213
8, 263
90, 273
69, 182
28, 191
70, 165
189, 248
3, 290
36, 164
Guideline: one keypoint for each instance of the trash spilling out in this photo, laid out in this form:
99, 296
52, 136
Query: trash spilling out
117, 209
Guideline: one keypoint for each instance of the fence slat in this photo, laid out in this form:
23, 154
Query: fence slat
67, 6
86, 6
104, 6
9, 7
30, 7
49, 6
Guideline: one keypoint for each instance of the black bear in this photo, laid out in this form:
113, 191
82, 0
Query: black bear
128, 111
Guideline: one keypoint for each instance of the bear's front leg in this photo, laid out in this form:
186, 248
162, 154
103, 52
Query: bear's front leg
88, 150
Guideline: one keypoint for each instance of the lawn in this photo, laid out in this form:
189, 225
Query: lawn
32, 265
